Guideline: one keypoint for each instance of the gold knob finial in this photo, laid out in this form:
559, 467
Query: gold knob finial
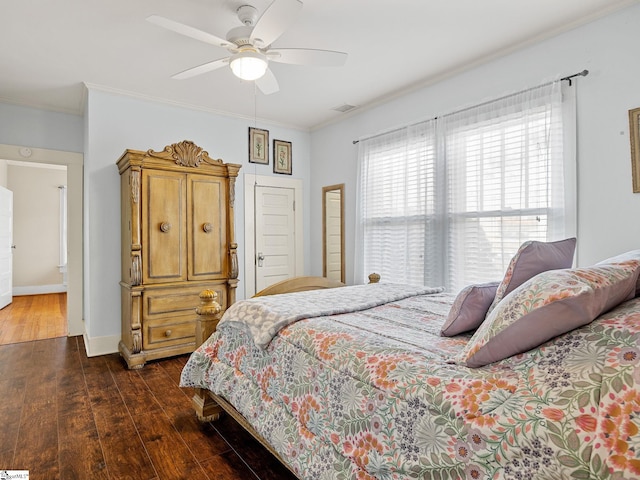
208, 304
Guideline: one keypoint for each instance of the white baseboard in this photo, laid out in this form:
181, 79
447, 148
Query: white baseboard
39, 289
101, 345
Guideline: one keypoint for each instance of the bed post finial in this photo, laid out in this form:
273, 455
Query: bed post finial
209, 313
374, 278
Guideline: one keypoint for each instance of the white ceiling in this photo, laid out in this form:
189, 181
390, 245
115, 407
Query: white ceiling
50, 49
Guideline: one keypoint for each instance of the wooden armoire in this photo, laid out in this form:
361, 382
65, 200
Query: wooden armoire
177, 240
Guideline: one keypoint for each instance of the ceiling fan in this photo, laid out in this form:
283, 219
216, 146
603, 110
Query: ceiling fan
250, 45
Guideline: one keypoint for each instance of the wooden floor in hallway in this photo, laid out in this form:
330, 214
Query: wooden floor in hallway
68, 416
34, 317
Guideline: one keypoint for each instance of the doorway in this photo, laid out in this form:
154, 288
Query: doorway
74, 164
273, 228
37, 253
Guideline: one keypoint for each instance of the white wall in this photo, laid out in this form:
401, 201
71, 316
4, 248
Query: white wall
36, 227
40, 128
608, 211
114, 123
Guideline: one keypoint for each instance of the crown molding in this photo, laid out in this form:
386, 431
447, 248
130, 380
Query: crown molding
39, 106
189, 106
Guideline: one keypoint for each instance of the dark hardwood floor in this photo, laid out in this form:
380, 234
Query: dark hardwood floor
67, 416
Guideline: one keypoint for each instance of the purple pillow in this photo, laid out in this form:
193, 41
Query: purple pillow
532, 258
548, 305
469, 308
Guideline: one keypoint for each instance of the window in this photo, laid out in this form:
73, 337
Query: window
399, 185
448, 201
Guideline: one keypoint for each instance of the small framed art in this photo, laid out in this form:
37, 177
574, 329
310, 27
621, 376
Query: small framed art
258, 146
634, 133
282, 157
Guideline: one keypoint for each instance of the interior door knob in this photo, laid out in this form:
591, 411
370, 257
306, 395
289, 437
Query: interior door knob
260, 258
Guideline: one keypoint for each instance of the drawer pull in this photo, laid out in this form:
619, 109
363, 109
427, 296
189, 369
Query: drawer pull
207, 227
167, 333
165, 227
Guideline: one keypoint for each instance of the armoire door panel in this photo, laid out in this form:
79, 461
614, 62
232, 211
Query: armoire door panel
164, 221
207, 224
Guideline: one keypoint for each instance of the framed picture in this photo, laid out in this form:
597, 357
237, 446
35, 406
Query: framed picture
258, 146
634, 133
282, 157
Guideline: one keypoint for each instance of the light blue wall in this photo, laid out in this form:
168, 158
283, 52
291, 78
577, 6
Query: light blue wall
608, 211
115, 123
40, 128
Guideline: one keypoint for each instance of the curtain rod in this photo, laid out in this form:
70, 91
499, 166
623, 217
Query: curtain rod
583, 73
568, 78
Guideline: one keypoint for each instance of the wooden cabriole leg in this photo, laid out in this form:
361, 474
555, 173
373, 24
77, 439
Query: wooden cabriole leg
209, 314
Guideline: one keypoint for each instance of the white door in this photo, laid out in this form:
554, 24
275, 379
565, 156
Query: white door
333, 240
274, 235
6, 237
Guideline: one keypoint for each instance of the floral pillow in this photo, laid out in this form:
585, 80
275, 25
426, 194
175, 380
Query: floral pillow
532, 258
469, 308
623, 257
548, 305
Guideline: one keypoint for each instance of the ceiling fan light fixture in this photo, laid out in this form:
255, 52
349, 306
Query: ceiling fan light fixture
248, 65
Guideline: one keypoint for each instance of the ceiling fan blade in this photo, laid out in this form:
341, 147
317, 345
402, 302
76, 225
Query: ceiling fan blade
268, 83
200, 69
307, 56
187, 31
275, 20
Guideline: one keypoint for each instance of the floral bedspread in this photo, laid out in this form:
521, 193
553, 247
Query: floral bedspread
371, 395
264, 317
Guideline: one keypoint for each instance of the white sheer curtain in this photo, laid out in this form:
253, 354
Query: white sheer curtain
448, 201
397, 191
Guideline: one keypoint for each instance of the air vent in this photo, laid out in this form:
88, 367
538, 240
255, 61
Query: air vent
344, 108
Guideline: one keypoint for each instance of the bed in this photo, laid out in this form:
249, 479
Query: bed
358, 382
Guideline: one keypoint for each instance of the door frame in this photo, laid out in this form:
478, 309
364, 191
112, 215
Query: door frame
250, 181
74, 162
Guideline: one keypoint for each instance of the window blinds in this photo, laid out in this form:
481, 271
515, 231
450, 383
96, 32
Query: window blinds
448, 201
398, 188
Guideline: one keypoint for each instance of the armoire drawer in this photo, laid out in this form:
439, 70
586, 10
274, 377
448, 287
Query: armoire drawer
177, 303
163, 334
